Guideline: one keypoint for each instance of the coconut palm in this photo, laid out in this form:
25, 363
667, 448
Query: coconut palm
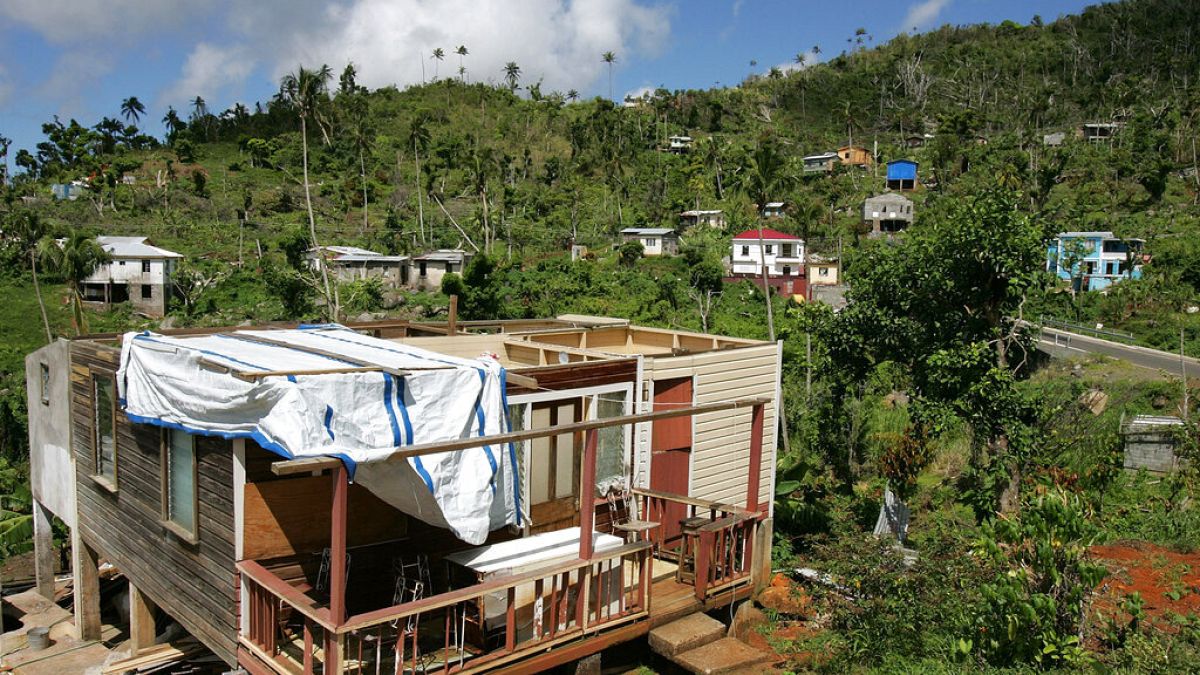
462, 71
303, 91
74, 259
572, 95
437, 56
173, 122
132, 109
610, 58
512, 74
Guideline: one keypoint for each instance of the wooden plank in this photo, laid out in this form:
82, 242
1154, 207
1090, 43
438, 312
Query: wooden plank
141, 620
337, 545
87, 591
288, 467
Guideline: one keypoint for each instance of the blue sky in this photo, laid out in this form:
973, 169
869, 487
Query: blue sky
81, 58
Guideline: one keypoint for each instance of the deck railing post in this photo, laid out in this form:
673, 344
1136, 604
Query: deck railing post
587, 495
703, 559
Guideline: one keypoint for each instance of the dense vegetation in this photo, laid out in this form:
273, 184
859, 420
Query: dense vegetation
926, 383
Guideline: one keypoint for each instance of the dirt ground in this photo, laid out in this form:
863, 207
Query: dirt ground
1168, 582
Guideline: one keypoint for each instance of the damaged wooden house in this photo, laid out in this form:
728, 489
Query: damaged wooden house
398, 497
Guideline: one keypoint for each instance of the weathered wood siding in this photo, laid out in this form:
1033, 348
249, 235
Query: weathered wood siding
195, 584
721, 440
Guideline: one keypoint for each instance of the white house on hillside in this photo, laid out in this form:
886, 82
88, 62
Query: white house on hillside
350, 263
138, 273
655, 241
783, 255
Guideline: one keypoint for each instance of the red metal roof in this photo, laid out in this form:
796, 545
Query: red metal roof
767, 233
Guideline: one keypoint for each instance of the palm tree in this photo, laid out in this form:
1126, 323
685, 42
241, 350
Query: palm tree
572, 95
462, 71
303, 91
132, 109
801, 59
512, 74
172, 121
438, 54
74, 259
418, 135
609, 58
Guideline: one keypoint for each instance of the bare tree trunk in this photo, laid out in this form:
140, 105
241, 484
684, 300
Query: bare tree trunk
420, 201
331, 300
37, 289
362, 172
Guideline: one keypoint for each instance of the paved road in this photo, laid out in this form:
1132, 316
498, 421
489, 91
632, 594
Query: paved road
1061, 343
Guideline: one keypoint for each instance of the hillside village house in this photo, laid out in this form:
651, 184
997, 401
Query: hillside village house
783, 255
138, 273
1054, 139
902, 174
822, 163
773, 210
1098, 131
524, 494
1106, 259
822, 271
426, 271
854, 155
887, 213
655, 241
350, 263
680, 144
709, 218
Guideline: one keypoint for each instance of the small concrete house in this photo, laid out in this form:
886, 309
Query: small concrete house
655, 241
1107, 259
138, 273
822, 163
855, 155
679, 144
350, 263
1055, 139
710, 218
902, 174
1098, 131
783, 255
822, 271
425, 272
887, 213
1150, 443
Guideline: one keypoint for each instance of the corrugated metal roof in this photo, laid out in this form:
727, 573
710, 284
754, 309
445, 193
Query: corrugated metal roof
652, 231
133, 247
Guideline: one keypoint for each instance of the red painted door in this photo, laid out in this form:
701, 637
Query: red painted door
671, 451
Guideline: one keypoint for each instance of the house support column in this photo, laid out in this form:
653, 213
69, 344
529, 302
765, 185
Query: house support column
86, 564
756, 550
337, 567
141, 619
43, 546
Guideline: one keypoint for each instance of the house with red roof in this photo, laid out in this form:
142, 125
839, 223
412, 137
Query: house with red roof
781, 253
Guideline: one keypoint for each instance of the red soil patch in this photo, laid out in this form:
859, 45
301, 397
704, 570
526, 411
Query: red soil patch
1153, 572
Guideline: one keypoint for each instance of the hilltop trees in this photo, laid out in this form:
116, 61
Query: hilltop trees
609, 58
512, 74
132, 109
74, 260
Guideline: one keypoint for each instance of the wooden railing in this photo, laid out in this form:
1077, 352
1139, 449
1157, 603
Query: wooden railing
483, 626
721, 554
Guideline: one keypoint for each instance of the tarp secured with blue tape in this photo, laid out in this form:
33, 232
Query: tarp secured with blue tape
360, 417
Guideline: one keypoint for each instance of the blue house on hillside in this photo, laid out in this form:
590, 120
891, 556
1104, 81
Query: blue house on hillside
902, 174
1092, 261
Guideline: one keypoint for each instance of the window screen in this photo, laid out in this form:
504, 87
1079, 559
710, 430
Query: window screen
181, 479
105, 438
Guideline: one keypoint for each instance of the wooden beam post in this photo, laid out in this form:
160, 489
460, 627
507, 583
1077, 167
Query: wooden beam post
86, 562
452, 321
141, 620
337, 546
756, 446
587, 494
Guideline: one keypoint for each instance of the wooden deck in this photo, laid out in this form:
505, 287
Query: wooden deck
671, 600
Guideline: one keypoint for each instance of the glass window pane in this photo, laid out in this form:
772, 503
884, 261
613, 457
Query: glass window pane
105, 441
610, 450
539, 459
180, 480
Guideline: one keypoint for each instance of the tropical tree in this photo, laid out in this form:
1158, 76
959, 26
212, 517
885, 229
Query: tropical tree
303, 91
512, 74
173, 123
572, 95
610, 58
462, 70
132, 109
348, 80
418, 135
74, 260
437, 57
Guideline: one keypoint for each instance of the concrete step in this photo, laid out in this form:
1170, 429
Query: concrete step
726, 656
692, 631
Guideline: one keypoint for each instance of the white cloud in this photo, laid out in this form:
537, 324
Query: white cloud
69, 21
638, 93
556, 41
922, 14
209, 72
75, 74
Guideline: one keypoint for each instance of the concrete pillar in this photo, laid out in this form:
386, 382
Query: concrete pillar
141, 619
86, 568
43, 546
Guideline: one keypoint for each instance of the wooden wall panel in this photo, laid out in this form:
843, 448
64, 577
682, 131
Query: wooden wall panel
194, 583
289, 517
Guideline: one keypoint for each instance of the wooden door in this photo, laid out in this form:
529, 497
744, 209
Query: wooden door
554, 464
671, 451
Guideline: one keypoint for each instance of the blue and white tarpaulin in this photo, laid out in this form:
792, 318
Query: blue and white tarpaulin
359, 417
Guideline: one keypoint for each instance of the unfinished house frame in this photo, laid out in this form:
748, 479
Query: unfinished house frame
646, 460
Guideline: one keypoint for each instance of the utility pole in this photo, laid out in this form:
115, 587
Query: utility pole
1183, 375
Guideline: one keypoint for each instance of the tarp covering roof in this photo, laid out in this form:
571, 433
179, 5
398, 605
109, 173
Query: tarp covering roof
268, 386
